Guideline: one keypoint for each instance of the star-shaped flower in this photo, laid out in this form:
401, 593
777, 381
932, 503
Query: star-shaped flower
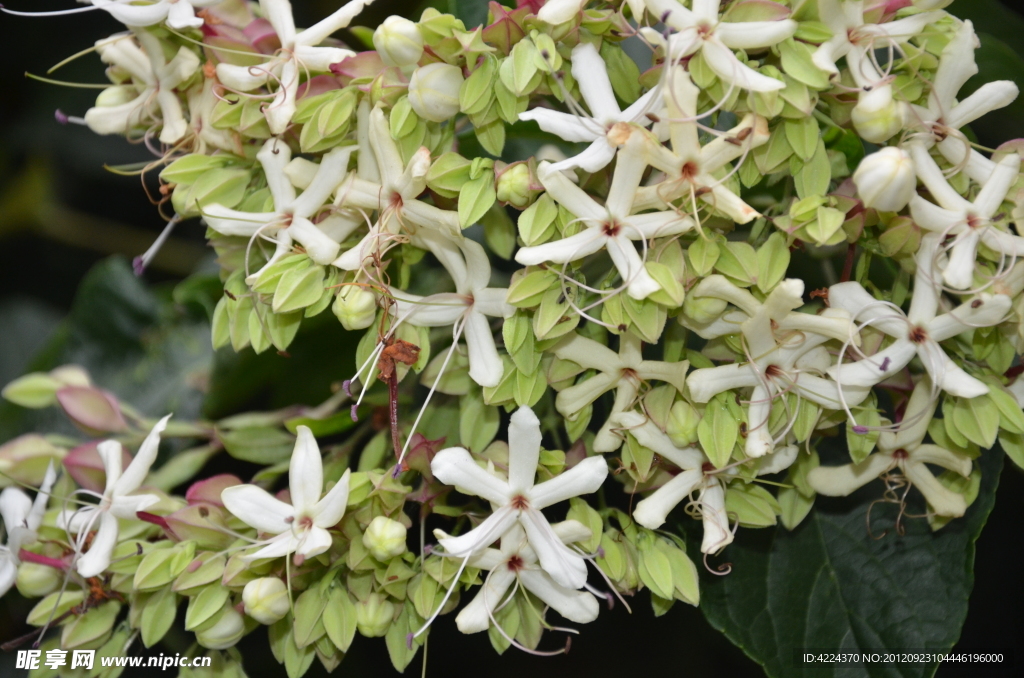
22, 517
151, 96
624, 372
467, 309
518, 500
698, 475
299, 54
611, 226
943, 117
300, 527
117, 501
689, 168
179, 14
969, 222
778, 362
591, 73
903, 450
291, 220
918, 332
516, 560
701, 29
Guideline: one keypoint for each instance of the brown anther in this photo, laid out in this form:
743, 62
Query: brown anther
515, 563
900, 454
976, 303
773, 371
703, 190
688, 171
820, 294
653, 118
918, 335
707, 467
743, 429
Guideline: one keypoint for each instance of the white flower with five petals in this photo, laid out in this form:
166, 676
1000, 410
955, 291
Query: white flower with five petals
22, 517
301, 526
519, 500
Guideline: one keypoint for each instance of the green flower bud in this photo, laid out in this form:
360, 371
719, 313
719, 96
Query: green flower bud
434, 91
227, 631
398, 42
703, 309
374, 615
682, 424
876, 117
515, 186
35, 580
384, 538
355, 307
265, 599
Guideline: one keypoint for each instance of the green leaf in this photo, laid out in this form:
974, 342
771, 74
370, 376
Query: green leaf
803, 136
299, 288
340, 619
476, 198
738, 260
259, 445
718, 430
829, 584
797, 62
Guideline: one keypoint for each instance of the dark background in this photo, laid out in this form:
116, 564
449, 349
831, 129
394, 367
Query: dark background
61, 212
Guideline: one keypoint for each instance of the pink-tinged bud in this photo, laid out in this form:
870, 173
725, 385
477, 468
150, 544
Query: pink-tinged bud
85, 466
886, 179
201, 523
208, 491
25, 459
90, 408
262, 36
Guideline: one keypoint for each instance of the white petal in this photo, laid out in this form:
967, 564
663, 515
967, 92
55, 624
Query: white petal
839, 481
134, 15
933, 178
485, 366
989, 97
329, 510
707, 382
564, 565
483, 535
754, 34
583, 478
305, 471
584, 243
78, 520
650, 436
328, 176
126, 506
258, 508
136, 472
111, 454
576, 606
274, 156
454, 466
623, 254
318, 245
956, 66
950, 377
180, 15
524, 440
724, 63
759, 440
994, 191
940, 456
233, 222
97, 558
314, 541
8, 572
653, 511
591, 73
245, 78
14, 507
569, 195
717, 534
875, 368
565, 126
942, 500
476, 616
864, 308
593, 159
571, 400
919, 413
281, 545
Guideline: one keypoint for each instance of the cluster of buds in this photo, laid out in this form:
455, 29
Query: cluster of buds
624, 294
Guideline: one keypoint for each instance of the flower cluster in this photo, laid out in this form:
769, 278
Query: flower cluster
611, 196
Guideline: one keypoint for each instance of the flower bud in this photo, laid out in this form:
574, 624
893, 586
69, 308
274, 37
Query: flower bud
355, 307
514, 186
682, 424
703, 309
398, 42
227, 631
265, 599
876, 117
35, 580
384, 538
434, 91
886, 179
374, 615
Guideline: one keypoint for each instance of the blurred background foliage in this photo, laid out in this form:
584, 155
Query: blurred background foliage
69, 228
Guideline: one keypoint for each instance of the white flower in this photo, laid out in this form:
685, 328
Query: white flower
557, 12
886, 179
300, 527
291, 220
701, 30
785, 351
693, 170
610, 226
516, 560
150, 96
298, 54
856, 40
591, 73
22, 518
519, 500
698, 475
624, 372
904, 450
969, 222
391, 187
466, 309
179, 14
117, 501
944, 115
918, 332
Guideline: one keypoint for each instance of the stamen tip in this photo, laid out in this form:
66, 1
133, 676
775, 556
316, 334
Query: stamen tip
860, 429
353, 412
58, 114
346, 386
408, 640
138, 266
